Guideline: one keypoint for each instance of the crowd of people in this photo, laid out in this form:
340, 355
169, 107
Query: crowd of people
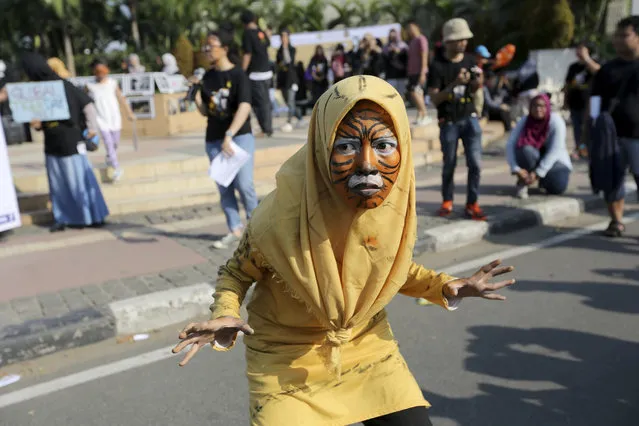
463, 87
324, 267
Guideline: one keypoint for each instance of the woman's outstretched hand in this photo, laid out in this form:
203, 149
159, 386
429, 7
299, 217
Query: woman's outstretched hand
478, 285
220, 330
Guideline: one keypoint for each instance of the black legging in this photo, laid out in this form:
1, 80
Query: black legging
416, 416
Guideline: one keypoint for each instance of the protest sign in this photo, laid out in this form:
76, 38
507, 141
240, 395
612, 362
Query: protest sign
43, 101
9, 213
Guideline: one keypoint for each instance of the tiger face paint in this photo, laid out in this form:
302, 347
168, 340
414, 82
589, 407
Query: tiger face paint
365, 160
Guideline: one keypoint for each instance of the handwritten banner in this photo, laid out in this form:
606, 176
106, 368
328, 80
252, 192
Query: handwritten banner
44, 101
9, 212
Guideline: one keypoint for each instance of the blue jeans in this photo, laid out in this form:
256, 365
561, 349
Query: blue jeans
577, 118
243, 182
556, 180
470, 132
629, 151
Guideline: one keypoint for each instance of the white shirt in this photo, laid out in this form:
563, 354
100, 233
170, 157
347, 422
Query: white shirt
106, 104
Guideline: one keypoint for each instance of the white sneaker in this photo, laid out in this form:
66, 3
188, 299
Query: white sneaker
300, 123
226, 241
424, 121
522, 192
287, 128
117, 175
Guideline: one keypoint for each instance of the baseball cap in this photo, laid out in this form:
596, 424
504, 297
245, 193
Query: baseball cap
482, 51
456, 29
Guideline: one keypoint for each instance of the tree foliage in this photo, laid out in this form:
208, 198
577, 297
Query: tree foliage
92, 24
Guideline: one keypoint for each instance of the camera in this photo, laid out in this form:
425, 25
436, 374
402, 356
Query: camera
475, 73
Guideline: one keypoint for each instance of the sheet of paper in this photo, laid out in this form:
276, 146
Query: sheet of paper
224, 169
595, 106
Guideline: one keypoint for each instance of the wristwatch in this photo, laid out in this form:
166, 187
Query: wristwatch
229, 134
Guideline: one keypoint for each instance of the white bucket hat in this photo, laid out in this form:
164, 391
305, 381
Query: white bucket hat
456, 29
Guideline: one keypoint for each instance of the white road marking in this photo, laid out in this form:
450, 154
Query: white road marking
529, 248
75, 379
84, 376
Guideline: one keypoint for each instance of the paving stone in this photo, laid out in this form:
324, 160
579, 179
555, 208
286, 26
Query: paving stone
75, 299
137, 285
6, 307
8, 318
208, 269
117, 290
175, 276
99, 299
52, 305
157, 283
27, 306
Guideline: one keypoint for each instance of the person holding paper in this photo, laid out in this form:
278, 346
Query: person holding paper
329, 249
225, 98
74, 191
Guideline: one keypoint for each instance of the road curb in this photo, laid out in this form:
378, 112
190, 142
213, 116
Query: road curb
36, 338
160, 309
460, 234
32, 339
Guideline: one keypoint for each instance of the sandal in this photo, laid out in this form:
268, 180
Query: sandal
615, 229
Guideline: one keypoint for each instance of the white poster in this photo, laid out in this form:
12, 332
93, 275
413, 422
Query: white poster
43, 101
9, 212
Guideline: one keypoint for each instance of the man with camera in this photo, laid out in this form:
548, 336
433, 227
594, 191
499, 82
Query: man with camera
454, 77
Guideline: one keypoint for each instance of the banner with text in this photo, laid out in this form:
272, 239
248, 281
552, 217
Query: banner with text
9, 212
43, 101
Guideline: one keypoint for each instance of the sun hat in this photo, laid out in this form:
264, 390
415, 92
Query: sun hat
456, 29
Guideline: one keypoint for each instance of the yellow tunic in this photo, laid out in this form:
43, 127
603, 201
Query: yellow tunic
289, 383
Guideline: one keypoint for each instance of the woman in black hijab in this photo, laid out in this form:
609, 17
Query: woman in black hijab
74, 191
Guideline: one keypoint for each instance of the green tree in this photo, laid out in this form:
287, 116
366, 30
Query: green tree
67, 13
548, 24
346, 14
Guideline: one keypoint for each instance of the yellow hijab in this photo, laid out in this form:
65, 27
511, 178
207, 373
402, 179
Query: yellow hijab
345, 265
59, 67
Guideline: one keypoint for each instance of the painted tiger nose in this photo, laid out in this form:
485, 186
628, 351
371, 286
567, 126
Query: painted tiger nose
367, 169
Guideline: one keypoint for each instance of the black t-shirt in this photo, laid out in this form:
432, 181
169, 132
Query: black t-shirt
61, 138
396, 64
255, 42
222, 93
577, 86
460, 103
319, 65
607, 84
286, 72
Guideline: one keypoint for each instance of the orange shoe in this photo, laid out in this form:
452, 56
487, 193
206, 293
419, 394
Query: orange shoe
446, 209
474, 212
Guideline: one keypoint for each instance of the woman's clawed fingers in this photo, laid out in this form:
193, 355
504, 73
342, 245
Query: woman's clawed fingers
197, 335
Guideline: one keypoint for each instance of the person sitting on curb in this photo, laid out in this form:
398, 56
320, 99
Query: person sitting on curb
536, 150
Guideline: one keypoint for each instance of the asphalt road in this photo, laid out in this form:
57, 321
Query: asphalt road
562, 350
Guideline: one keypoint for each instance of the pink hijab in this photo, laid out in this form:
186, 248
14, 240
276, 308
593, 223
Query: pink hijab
535, 131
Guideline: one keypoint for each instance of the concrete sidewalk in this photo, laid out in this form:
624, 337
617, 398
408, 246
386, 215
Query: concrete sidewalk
148, 270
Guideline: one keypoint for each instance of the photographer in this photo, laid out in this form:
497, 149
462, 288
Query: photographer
454, 77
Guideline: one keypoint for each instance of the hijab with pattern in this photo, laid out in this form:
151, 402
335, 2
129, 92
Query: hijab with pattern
345, 265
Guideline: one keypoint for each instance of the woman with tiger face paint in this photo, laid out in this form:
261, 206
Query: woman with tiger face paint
329, 249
